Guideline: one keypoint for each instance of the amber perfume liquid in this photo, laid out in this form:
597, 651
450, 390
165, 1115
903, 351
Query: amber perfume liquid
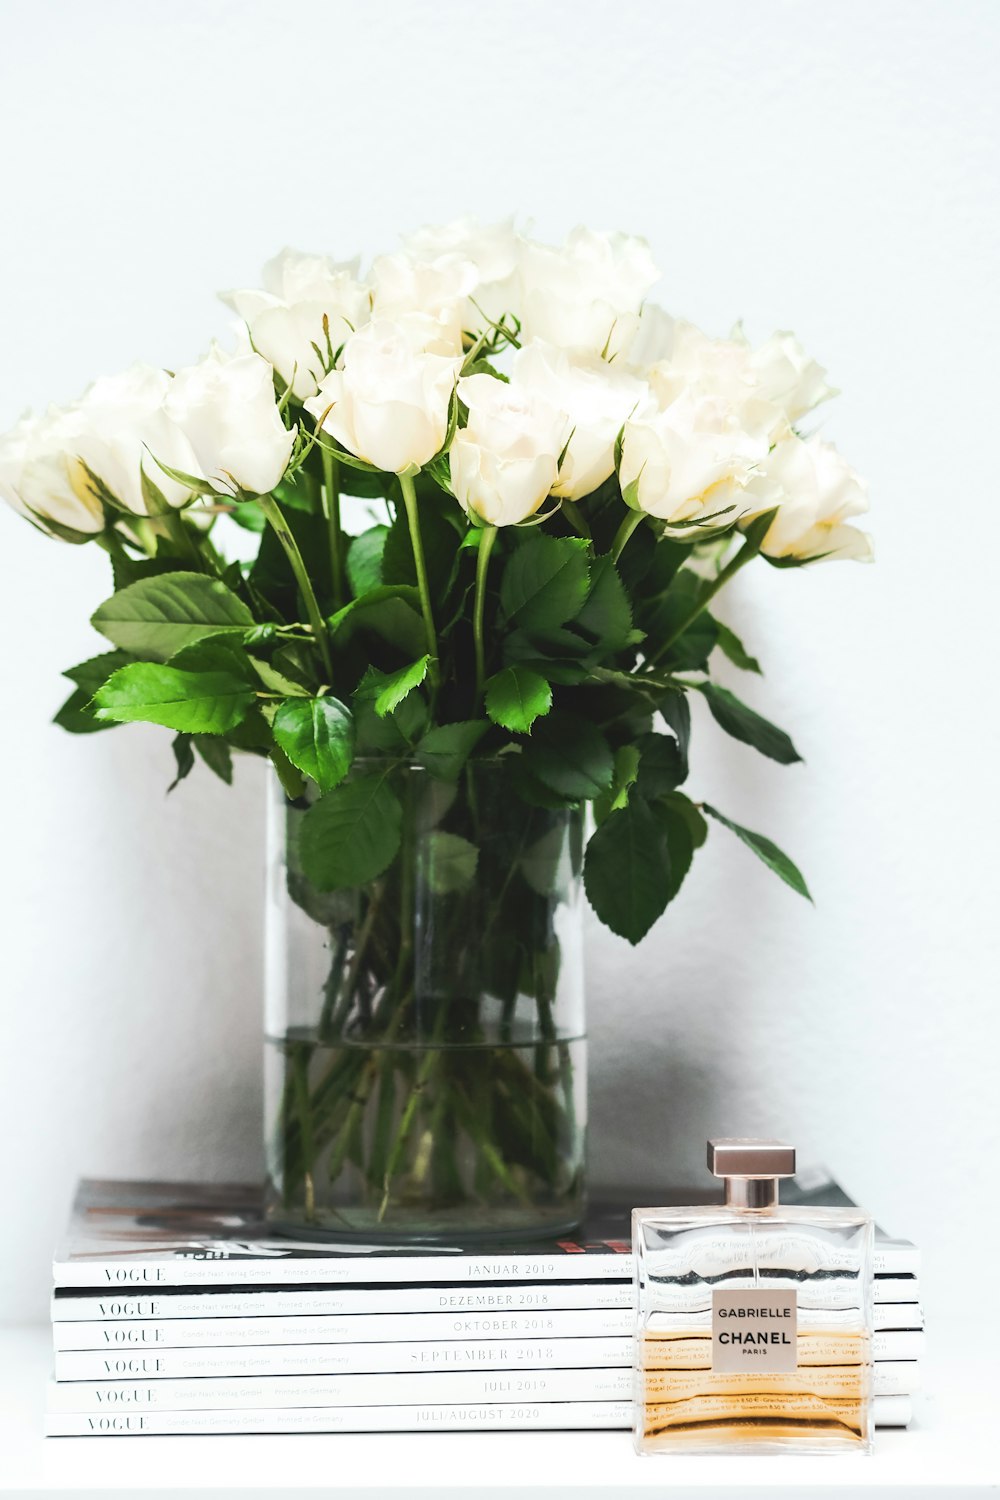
754, 1329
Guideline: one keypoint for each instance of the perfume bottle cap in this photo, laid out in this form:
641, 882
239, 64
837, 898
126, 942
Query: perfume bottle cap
750, 1158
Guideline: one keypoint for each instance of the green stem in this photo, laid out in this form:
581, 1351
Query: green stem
283, 532
746, 554
486, 539
413, 521
331, 509
625, 530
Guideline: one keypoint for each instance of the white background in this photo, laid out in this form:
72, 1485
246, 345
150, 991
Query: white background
828, 167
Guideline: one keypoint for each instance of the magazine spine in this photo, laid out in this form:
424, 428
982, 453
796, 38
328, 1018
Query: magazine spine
443, 1418
226, 1302
396, 1357
496, 1387
891, 1259
358, 1328
889, 1411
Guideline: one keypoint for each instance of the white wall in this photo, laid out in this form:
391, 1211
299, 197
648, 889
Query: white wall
826, 167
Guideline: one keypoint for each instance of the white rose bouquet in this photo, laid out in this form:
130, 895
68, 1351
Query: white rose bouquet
496, 492
567, 477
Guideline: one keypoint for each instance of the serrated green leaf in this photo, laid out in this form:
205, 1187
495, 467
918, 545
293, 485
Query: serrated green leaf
746, 725
364, 560
317, 736
192, 702
352, 834
626, 871
545, 582
395, 686
516, 697
569, 755
89, 674
730, 645
606, 614
766, 851
444, 751
451, 863
75, 715
156, 617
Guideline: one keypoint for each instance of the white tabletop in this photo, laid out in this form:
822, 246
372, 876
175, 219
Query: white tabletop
953, 1449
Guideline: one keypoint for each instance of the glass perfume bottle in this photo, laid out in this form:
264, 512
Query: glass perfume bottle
754, 1327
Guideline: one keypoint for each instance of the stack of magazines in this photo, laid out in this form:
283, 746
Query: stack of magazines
176, 1311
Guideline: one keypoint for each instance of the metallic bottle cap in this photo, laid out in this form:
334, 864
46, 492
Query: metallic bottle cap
751, 1169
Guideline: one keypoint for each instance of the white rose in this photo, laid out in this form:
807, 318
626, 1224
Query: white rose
817, 493
596, 397
504, 462
434, 289
493, 250
653, 339
688, 462
389, 402
228, 412
787, 376
36, 474
586, 294
285, 318
722, 369
122, 428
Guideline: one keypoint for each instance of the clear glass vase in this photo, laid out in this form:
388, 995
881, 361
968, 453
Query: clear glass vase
425, 1043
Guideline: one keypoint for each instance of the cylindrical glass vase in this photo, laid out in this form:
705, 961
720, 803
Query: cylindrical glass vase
425, 1041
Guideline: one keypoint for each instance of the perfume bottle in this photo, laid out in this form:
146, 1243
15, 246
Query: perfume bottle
754, 1321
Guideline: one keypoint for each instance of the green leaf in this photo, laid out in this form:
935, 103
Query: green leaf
626, 771
249, 515
746, 725
626, 872
184, 756
90, 674
542, 862
217, 756
351, 835
730, 645
156, 617
684, 808
317, 736
766, 851
661, 766
567, 754
444, 751
193, 702
680, 821
216, 653
675, 711
606, 614
516, 697
395, 686
545, 582
364, 560
276, 680
391, 611
76, 715
451, 863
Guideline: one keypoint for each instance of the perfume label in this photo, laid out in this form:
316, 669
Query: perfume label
754, 1330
